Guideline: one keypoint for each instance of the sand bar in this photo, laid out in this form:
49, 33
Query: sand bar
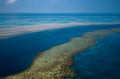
8, 32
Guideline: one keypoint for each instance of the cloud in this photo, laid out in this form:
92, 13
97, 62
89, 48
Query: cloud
11, 1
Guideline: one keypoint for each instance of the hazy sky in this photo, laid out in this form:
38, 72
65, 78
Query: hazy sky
59, 6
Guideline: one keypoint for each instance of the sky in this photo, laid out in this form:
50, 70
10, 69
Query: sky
59, 6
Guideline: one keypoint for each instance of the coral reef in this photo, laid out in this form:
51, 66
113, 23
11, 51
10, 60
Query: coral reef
54, 63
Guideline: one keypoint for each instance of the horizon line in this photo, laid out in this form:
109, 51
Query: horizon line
56, 13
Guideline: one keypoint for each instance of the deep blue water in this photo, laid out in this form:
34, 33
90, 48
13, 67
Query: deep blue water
99, 62
17, 53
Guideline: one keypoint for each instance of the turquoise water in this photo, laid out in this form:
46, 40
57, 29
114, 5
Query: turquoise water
15, 20
99, 62
17, 53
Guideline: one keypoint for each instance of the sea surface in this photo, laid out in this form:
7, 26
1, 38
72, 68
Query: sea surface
19, 20
98, 62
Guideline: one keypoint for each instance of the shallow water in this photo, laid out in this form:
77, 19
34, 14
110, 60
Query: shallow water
99, 62
17, 53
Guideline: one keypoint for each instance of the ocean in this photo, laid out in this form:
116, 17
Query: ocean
99, 62
18, 52
19, 20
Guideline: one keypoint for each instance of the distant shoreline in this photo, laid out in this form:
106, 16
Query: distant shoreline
15, 31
